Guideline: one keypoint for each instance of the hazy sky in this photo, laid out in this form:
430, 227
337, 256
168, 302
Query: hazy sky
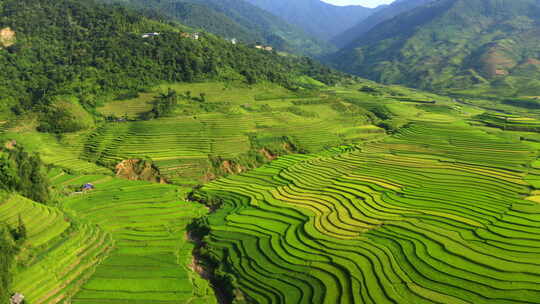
366, 3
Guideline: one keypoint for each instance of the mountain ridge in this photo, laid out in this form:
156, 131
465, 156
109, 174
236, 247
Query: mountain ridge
380, 14
488, 45
320, 19
236, 19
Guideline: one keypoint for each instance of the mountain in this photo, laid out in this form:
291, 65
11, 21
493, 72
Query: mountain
380, 14
236, 19
318, 18
63, 58
487, 46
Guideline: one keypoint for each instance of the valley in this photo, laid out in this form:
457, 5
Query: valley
148, 157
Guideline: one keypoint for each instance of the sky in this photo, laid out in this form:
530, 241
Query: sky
366, 3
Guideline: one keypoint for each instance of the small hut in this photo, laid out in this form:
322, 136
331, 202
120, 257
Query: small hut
88, 187
148, 35
17, 298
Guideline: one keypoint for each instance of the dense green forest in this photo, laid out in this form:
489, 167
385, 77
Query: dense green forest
84, 52
235, 19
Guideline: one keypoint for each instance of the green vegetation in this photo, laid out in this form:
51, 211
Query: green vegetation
337, 212
510, 122
24, 173
243, 126
132, 223
151, 258
490, 50
57, 253
236, 19
434, 214
163, 105
77, 55
170, 169
8, 250
319, 18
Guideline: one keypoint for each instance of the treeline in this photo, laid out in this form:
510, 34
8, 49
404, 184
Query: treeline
24, 173
10, 241
94, 51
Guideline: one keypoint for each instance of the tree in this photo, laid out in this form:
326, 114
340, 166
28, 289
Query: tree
8, 250
24, 173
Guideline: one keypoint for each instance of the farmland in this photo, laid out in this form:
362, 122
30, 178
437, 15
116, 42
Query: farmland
59, 254
434, 214
364, 194
150, 262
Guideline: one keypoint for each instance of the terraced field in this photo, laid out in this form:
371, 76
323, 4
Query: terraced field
58, 256
132, 109
151, 260
181, 146
438, 212
510, 122
64, 153
435, 214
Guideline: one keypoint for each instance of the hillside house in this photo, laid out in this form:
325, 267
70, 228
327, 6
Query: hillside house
194, 36
88, 187
17, 298
264, 47
234, 41
148, 35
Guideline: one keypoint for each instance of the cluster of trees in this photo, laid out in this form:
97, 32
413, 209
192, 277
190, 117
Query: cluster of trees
25, 173
163, 105
58, 120
10, 241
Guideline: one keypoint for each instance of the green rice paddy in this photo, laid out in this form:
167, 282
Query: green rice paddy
151, 259
59, 254
444, 208
435, 214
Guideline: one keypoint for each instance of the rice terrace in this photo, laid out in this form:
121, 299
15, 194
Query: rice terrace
164, 161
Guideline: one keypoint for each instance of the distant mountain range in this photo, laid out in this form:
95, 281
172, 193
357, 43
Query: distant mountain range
320, 19
487, 46
379, 14
236, 19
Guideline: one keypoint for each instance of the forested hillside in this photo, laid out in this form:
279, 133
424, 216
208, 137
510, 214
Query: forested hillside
236, 19
379, 15
65, 57
320, 19
488, 47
